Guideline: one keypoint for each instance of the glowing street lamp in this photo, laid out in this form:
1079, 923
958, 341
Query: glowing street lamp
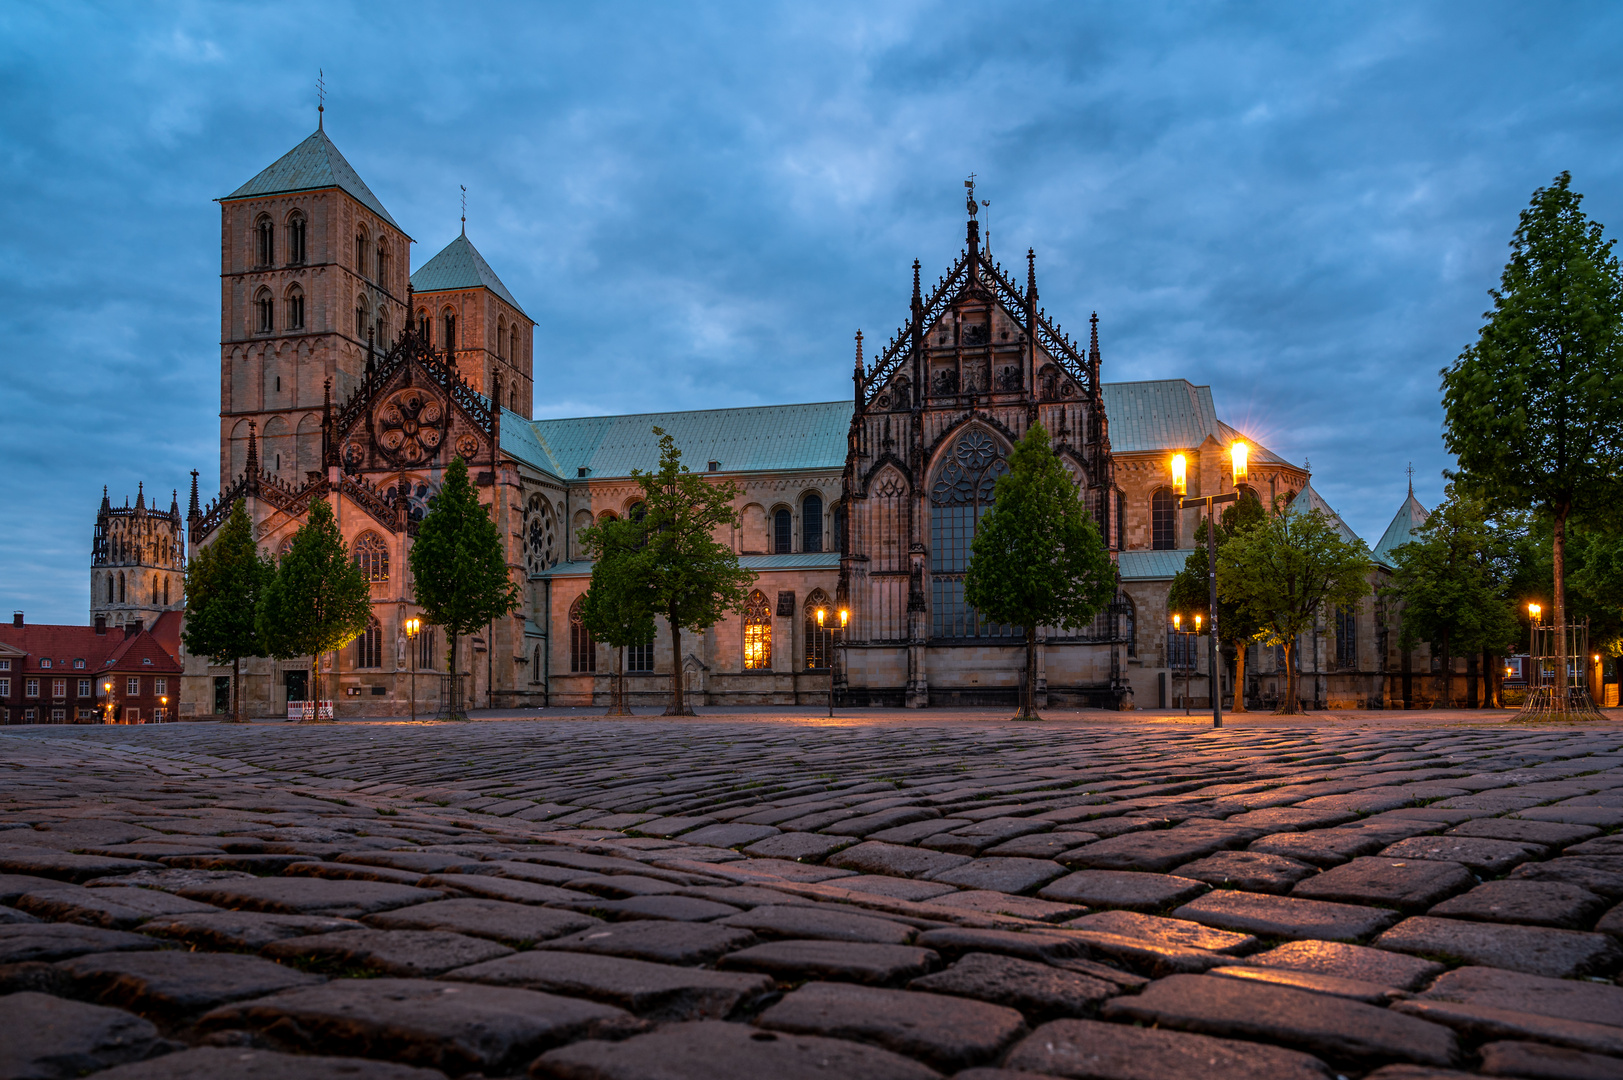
413, 625
1238, 453
1180, 477
112, 708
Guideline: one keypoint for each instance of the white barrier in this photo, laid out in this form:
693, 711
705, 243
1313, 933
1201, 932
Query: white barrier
307, 710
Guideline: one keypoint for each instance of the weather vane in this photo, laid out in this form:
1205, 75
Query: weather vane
970, 186
321, 95
464, 188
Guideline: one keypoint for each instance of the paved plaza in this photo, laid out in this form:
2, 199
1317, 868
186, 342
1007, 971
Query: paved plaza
1402, 896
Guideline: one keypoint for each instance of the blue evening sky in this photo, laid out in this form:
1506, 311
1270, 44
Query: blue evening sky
1302, 205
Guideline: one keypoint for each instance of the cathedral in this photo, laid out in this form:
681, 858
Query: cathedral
346, 377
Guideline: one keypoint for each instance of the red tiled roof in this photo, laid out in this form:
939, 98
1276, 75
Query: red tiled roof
167, 631
141, 653
61, 645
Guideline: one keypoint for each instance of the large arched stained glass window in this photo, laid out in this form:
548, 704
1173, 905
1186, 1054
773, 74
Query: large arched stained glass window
582, 649
371, 554
757, 633
960, 493
1163, 520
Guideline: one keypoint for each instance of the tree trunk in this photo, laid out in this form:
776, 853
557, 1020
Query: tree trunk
1239, 678
1028, 693
1471, 681
314, 689
1445, 692
617, 695
1491, 678
1291, 705
678, 702
1559, 548
236, 690
453, 707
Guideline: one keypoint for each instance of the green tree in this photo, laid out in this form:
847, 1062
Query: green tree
459, 571
681, 573
1285, 570
224, 582
1037, 558
1191, 592
1534, 409
318, 600
1597, 588
1452, 591
616, 608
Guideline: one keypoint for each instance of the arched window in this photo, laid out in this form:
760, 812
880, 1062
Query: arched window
121, 592
1129, 622
372, 556
360, 253
295, 308
383, 264
535, 665
369, 646
501, 339
821, 640
783, 532
428, 653
264, 312
165, 592
449, 324
582, 649
1347, 638
512, 346
362, 317
811, 523
758, 632
285, 546
637, 511
264, 241
1121, 520
1163, 520
425, 325
960, 493
154, 590
109, 589
512, 400
295, 239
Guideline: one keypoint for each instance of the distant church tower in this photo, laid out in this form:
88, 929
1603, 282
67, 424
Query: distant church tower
313, 277
138, 562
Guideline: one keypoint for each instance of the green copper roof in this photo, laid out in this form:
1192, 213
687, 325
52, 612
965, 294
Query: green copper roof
519, 441
1170, 414
1151, 565
1410, 516
313, 164
1308, 500
460, 266
759, 439
805, 560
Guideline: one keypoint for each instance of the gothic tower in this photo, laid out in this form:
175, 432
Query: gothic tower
313, 276
464, 309
138, 562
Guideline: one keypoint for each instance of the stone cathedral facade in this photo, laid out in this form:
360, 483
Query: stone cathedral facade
344, 377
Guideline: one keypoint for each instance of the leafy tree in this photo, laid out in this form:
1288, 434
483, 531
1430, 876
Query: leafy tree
224, 582
1452, 591
1191, 592
615, 609
1597, 588
1037, 558
681, 573
1534, 409
1285, 570
459, 570
318, 600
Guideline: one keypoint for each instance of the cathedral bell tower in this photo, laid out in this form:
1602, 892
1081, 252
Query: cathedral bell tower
138, 562
313, 279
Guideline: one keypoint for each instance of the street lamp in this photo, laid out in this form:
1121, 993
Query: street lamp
112, 709
1179, 633
163, 700
1180, 478
1239, 454
845, 618
413, 625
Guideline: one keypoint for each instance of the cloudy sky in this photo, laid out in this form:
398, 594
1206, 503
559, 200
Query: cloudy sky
1302, 205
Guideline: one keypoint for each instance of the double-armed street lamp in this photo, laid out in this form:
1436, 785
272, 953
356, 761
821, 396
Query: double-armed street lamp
845, 618
413, 625
1239, 454
111, 715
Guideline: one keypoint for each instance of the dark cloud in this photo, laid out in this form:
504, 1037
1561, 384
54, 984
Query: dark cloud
1302, 205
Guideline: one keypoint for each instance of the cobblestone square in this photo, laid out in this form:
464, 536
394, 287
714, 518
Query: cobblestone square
883, 895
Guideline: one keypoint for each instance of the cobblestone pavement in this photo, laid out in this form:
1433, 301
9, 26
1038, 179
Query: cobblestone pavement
726, 898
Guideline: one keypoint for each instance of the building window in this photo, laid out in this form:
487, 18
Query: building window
449, 344
5, 688
30, 688
369, 646
501, 339
582, 649
783, 532
1121, 521
1347, 638
372, 556
383, 265
811, 523
5, 665
960, 495
29, 715
59, 688
640, 657
84, 714
360, 254
1182, 648
58, 715
78, 664
159, 715
160, 685
45, 663
427, 649
758, 630
1163, 520
121, 588
84, 688
295, 308
132, 686
265, 241
264, 312
295, 239
821, 640
360, 317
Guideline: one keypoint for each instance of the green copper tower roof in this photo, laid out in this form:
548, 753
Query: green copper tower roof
313, 164
460, 266
1410, 516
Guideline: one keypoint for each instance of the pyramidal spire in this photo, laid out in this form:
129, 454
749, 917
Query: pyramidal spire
140, 496
105, 503
194, 510
253, 451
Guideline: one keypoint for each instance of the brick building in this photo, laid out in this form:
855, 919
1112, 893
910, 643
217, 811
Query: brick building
70, 674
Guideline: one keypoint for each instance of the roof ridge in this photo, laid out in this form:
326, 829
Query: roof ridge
685, 412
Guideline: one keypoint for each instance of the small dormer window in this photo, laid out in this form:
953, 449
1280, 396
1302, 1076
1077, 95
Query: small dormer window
146, 660
45, 663
79, 664
715, 466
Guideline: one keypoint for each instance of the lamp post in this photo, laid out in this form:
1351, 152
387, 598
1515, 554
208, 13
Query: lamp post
845, 617
1239, 454
163, 701
111, 714
1533, 612
1178, 632
413, 625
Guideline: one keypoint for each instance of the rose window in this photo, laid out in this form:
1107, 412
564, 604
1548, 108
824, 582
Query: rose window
409, 425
